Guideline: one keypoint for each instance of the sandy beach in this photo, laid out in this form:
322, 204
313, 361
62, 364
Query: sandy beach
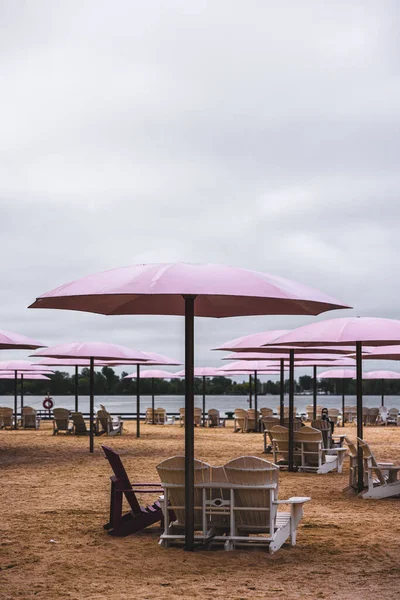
53, 489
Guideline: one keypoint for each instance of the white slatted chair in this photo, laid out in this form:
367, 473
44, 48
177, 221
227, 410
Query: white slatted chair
314, 457
381, 480
239, 421
393, 413
254, 514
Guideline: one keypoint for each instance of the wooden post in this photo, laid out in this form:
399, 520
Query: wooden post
250, 393
76, 388
91, 407
291, 406
282, 393
383, 393
255, 400
138, 400
204, 401
189, 422
359, 392
22, 392
343, 399
315, 392
15, 398
152, 400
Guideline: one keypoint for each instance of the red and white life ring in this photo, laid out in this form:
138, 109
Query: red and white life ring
48, 403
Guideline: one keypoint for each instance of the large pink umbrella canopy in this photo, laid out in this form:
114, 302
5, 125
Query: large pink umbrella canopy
152, 358
15, 341
190, 290
92, 350
308, 357
20, 365
338, 374
154, 374
367, 331
21, 375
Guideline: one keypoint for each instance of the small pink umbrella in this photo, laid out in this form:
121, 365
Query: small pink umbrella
22, 376
92, 350
382, 375
203, 372
15, 341
190, 290
152, 358
72, 362
339, 374
358, 331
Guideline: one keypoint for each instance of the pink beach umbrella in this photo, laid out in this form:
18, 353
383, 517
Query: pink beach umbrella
203, 372
357, 331
340, 374
152, 358
189, 290
22, 376
151, 374
15, 341
92, 351
72, 362
382, 375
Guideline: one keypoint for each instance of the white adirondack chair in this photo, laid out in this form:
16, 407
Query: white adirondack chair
393, 413
380, 479
234, 505
314, 456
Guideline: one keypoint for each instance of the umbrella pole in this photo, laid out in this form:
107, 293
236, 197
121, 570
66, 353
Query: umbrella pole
76, 388
291, 405
22, 392
383, 393
189, 422
250, 393
204, 401
15, 398
282, 393
255, 401
138, 401
360, 470
314, 392
91, 407
343, 400
152, 400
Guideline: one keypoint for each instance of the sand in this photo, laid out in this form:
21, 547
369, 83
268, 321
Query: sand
55, 499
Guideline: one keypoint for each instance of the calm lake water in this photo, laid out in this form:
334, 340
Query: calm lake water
127, 404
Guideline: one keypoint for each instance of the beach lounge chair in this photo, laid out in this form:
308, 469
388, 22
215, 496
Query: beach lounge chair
29, 418
79, 426
285, 411
254, 505
266, 412
353, 412
6, 418
197, 416
160, 416
231, 503
381, 480
61, 421
333, 414
105, 423
239, 418
138, 517
214, 419
325, 428
267, 424
353, 464
172, 473
314, 456
373, 416
348, 415
148, 419
392, 415
251, 420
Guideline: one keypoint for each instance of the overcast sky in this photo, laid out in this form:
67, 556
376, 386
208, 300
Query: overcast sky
257, 134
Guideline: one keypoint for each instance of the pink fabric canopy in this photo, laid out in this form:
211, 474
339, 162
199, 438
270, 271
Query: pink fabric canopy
202, 372
99, 350
338, 374
9, 375
10, 340
309, 356
340, 362
381, 375
153, 374
370, 331
249, 366
253, 340
22, 365
220, 291
70, 362
152, 358
382, 353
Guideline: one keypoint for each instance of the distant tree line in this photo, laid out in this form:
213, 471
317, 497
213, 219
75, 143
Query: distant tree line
107, 382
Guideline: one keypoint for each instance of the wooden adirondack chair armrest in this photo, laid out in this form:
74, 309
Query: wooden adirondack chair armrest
384, 465
293, 500
334, 450
390, 467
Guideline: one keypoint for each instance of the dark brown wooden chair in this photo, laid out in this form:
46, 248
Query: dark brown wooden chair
139, 517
